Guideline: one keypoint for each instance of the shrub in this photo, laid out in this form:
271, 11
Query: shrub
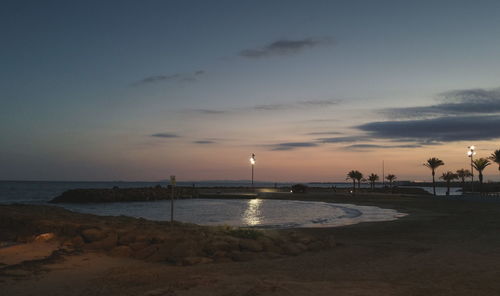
299, 188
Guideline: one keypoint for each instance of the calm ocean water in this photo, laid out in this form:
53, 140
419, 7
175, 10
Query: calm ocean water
39, 192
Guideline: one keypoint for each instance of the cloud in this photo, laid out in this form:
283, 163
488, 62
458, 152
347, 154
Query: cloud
204, 142
297, 105
347, 139
292, 145
165, 135
374, 146
323, 133
272, 107
435, 130
320, 103
206, 111
284, 47
177, 77
456, 102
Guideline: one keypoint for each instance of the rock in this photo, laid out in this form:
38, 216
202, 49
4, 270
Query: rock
220, 254
316, 246
146, 252
243, 256
301, 247
77, 242
196, 260
44, 237
233, 243
269, 245
161, 292
126, 238
185, 249
163, 253
138, 246
93, 234
272, 255
121, 251
291, 249
108, 243
250, 245
330, 241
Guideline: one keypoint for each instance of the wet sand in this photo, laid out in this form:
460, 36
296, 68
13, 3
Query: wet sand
442, 248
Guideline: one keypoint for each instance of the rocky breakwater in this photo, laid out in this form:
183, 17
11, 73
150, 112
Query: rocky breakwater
177, 243
122, 194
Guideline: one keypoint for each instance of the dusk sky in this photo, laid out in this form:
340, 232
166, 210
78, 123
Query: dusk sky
141, 90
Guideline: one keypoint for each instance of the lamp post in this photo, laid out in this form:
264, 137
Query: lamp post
471, 154
252, 162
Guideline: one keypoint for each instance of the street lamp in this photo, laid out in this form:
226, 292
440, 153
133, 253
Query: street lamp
252, 162
471, 154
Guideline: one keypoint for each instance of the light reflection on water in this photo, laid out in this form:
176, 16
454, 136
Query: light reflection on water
252, 213
265, 213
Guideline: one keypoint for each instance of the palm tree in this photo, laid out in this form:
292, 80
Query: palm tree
433, 163
448, 177
352, 175
495, 157
479, 165
373, 178
462, 174
391, 178
359, 177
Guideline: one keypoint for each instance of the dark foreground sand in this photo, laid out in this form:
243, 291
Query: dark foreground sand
441, 248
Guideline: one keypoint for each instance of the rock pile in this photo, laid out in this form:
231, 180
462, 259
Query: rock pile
180, 243
122, 194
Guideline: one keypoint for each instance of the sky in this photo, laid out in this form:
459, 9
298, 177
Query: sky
141, 90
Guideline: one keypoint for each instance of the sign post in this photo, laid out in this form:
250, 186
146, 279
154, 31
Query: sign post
172, 183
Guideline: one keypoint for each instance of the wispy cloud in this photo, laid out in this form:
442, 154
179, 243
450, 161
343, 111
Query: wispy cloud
204, 142
206, 111
165, 135
272, 107
455, 102
320, 103
298, 105
375, 146
284, 47
177, 77
323, 133
292, 145
347, 139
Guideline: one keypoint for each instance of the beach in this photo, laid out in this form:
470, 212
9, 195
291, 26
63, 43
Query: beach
443, 247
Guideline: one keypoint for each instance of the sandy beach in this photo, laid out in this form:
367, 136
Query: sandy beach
443, 247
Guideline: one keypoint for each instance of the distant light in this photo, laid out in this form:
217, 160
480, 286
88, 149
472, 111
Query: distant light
471, 151
252, 159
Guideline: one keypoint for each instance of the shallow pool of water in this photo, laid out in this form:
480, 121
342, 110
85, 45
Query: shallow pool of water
263, 213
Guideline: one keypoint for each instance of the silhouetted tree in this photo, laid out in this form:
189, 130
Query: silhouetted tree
462, 174
390, 178
359, 177
495, 157
373, 178
433, 163
448, 177
352, 175
480, 164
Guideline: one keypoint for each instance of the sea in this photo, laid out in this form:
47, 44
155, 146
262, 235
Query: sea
40, 192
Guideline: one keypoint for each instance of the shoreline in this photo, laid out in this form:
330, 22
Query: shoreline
443, 247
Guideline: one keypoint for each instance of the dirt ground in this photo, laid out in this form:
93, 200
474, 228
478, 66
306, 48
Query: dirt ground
443, 247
